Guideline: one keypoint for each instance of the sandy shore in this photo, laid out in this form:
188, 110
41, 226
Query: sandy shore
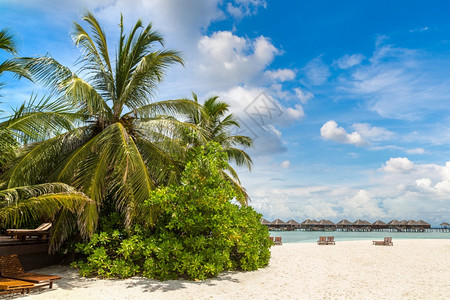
411, 269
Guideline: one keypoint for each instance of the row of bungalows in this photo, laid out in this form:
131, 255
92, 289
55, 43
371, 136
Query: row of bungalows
345, 225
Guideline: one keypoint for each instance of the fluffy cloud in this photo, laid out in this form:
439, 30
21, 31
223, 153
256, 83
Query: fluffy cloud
372, 133
348, 61
331, 131
281, 74
398, 164
260, 116
226, 59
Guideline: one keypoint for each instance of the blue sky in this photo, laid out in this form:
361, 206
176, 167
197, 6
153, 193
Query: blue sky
348, 101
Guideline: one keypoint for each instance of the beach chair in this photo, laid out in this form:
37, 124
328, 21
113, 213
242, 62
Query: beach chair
271, 238
41, 231
322, 240
8, 285
330, 240
278, 240
11, 267
386, 242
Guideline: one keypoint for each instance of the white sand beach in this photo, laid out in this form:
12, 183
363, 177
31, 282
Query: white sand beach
411, 269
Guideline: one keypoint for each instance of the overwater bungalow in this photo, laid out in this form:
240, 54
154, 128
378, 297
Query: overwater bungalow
265, 222
309, 224
293, 224
412, 225
344, 225
394, 224
279, 224
326, 225
362, 225
444, 225
379, 225
424, 224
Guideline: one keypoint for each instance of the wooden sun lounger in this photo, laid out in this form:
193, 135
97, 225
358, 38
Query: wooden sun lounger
330, 240
386, 242
8, 285
322, 240
278, 240
11, 267
42, 231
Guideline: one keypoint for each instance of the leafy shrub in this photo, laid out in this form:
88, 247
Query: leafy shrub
198, 232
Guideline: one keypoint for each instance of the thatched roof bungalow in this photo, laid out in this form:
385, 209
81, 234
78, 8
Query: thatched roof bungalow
379, 224
279, 223
444, 225
424, 224
361, 223
293, 224
344, 224
308, 224
326, 224
265, 222
394, 223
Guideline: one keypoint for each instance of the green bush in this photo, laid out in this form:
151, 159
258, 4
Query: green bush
198, 232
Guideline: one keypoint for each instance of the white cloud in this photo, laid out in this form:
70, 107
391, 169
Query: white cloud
285, 164
225, 59
372, 133
281, 75
424, 182
361, 205
348, 61
260, 116
331, 131
303, 96
316, 71
398, 164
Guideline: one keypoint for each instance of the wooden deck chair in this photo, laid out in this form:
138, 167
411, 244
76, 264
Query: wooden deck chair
330, 240
388, 241
322, 240
8, 285
41, 231
278, 240
271, 238
11, 267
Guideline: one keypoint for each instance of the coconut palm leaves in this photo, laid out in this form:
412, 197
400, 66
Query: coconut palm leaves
125, 144
217, 126
7, 44
52, 201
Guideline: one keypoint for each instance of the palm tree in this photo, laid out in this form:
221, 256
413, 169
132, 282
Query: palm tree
124, 144
217, 126
34, 121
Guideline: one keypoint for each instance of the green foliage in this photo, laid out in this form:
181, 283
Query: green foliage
198, 231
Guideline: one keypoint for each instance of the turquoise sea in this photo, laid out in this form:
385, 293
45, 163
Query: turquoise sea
313, 236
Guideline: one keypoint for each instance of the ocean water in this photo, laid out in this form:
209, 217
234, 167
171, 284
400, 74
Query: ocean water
313, 236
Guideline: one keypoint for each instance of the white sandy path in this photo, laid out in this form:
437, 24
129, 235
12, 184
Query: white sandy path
411, 269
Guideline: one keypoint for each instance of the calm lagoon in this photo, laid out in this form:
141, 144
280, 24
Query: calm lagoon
313, 236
